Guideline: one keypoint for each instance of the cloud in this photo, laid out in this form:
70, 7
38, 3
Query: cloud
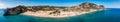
1, 4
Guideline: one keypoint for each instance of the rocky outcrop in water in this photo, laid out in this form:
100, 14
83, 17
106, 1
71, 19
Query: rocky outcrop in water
14, 11
82, 7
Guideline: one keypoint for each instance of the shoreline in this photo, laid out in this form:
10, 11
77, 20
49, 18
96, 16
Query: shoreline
54, 11
61, 15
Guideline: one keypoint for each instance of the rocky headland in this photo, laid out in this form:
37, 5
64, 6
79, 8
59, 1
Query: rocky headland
54, 11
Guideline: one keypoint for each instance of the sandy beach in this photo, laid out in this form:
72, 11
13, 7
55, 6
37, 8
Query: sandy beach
58, 15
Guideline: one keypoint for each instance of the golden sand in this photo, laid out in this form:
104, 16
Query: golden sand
58, 15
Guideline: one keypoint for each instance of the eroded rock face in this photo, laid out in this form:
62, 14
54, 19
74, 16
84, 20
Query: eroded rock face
82, 7
88, 5
14, 11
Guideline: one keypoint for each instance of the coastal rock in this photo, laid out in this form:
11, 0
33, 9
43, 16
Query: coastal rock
14, 11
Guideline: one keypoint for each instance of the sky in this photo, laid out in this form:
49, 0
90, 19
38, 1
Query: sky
12, 3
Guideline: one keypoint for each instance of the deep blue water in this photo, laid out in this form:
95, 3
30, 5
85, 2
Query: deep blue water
109, 15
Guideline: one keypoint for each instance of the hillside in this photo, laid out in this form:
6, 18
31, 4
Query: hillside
53, 10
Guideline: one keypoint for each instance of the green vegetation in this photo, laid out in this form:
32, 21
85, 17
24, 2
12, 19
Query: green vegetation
84, 7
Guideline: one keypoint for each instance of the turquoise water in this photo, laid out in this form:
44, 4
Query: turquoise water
110, 15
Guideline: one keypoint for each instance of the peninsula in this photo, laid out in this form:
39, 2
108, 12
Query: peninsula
54, 11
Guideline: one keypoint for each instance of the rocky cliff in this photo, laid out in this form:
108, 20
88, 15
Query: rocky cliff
82, 7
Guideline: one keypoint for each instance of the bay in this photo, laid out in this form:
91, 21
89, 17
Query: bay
109, 15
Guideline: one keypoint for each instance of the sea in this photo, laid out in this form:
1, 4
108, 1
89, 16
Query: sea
109, 15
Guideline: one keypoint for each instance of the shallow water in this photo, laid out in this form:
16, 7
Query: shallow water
110, 15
